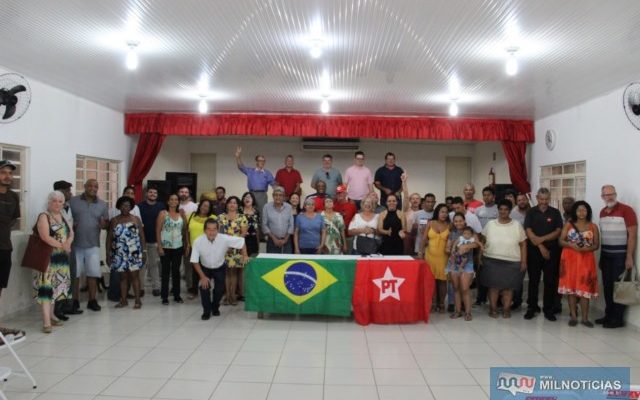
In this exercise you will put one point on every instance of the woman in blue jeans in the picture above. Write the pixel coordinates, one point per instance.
(171, 230)
(309, 233)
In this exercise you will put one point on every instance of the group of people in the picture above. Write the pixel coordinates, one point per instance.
(465, 241)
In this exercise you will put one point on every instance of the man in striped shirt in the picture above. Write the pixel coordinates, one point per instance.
(618, 234)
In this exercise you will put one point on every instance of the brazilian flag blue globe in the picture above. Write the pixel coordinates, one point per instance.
(301, 286)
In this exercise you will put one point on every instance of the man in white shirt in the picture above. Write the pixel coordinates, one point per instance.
(470, 218)
(186, 203)
(519, 212)
(207, 257)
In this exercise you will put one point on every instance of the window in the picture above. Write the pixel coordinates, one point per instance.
(17, 155)
(106, 172)
(564, 180)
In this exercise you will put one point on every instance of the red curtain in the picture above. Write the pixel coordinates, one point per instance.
(367, 127)
(149, 145)
(515, 153)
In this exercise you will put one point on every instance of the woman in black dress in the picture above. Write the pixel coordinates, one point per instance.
(391, 226)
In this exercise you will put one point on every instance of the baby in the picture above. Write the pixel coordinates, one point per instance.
(463, 260)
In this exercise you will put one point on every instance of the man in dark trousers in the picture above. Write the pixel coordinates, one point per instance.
(543, 225)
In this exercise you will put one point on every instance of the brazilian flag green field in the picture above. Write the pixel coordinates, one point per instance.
(286, 286)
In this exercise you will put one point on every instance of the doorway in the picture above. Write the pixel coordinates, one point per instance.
(457, 174)
(204, 165)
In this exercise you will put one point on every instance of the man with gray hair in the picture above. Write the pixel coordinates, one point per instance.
(543, 225)
(470, 204)
(618, 238)
(277, 223)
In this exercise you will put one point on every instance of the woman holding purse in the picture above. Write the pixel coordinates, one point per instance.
(54, 284)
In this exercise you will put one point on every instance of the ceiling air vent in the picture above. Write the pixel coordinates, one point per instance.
(326, 144)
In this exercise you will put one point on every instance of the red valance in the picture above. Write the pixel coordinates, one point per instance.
(366, 127)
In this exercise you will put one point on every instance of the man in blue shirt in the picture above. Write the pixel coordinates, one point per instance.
(258, 178)
(329, 175)
(149, 210)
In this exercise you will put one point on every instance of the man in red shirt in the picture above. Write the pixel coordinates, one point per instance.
(347, 208)
(289, 178)
(470, 203)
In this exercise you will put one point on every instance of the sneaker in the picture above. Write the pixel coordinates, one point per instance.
(205, 316)
(155, 293)
(93, 305)
(602, 321)
(216, 313)
(550, 316)
(529, 314)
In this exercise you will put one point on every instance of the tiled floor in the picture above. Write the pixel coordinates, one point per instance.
(164, 352)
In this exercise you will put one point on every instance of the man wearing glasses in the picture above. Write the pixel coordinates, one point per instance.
(328, 175)
(618, 238)
(258, 178)
(358, 179)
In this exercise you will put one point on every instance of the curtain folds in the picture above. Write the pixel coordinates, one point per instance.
(149, 145)
(515, 153)
(366, 127)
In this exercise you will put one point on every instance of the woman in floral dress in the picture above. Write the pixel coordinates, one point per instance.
(125, 254)
(335, 240)
(55, 283)
(233, 223)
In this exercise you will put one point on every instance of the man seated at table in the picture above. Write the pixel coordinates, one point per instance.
(207, 257)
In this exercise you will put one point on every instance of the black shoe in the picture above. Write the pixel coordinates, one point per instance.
(613, 324)
(93, 305)
(602, 321)
(478, 303)
(550, 316)
(165, 302)
(529, 314)
(58, 311)
(178, 300)
(142, 293)
(557, 310)
(155, 293)
(516, 306)
(240, 298)
(75, 308)
(216, 313)
(205, 316)
(451, 308)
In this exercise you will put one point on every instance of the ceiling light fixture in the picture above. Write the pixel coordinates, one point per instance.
(453, 109)
(324, 106)
(511, 66)
(454, 88)
(203, 106)
(317, 45)
(325, 84)
(132, 55)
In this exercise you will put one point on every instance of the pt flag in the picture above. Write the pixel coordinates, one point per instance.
(392, 291)
(299, 286)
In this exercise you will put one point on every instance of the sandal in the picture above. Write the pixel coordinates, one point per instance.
(506, 314)
(47, 329)
(122, 304)
(455, 315)
(137, 306)
(587, 323)
(468, 317)
(17, 333)
(442, 309)
(493, 314)
(56, 322)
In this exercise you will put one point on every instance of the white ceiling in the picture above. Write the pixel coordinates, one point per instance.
(383, 56)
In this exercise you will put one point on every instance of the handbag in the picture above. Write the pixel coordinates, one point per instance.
(627, 292)
(37, 255)
(366, 245)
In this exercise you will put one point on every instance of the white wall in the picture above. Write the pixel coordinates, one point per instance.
(57, 126)
(424, 162)
(597, 131)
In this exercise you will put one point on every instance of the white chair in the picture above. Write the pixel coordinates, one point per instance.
(5, 372)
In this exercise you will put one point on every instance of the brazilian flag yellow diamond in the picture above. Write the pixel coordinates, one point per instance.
(299, 280)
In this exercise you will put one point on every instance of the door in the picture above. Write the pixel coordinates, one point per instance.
(457, 174)
(204, 164)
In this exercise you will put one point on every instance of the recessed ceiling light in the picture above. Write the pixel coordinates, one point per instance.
(454, 87)
(132, 55)
(453, 109)
(324, 106)
(511, 66)
(203, 106)
(325, 84)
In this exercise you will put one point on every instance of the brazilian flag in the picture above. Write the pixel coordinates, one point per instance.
(302, 286)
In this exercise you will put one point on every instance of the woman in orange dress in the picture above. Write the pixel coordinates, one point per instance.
(435, 238)
(580, 239)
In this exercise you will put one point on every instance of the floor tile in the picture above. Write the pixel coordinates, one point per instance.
(404, 393)
(253, 358)
(200, 372)
(134, 387)
(298, 375)
(283, 391)
(242, 373)
(83, 384)
(186, 390)
(448, 377)
(241, 391)
(144, 369)
(398, 377)
(349, 376)
(458, 392)
(350, 392)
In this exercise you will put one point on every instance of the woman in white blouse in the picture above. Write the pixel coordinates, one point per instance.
(364, 225)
